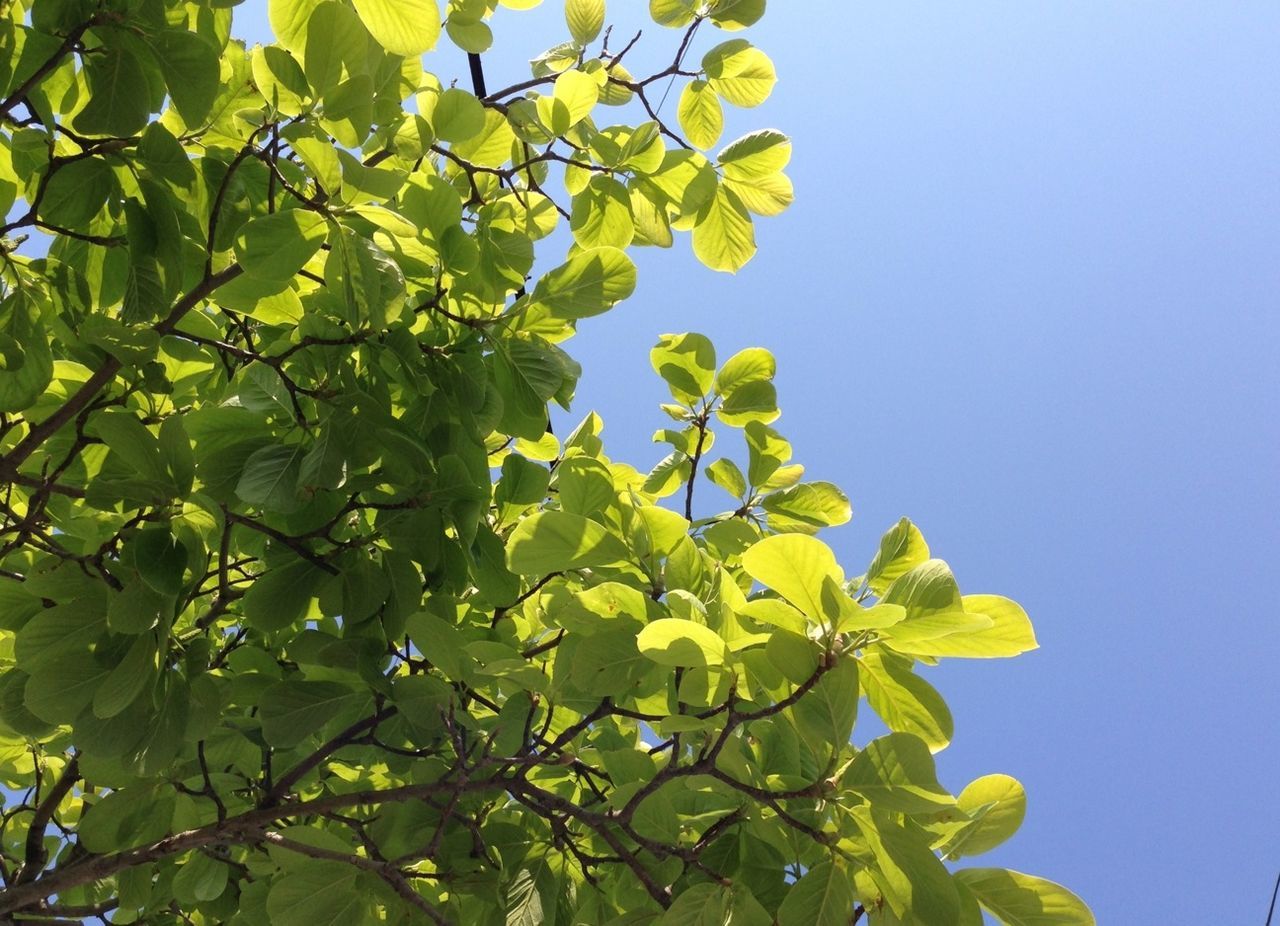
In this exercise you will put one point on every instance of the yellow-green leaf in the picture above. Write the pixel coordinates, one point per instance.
(756, 155)
(794, 566)
(275, 247)
(724, 236)
(601, 214)
(585, 19)
(576, 92)
(741, 73)
(588, 283)
(553, 541)
(402, 27)
(1025, 900)
(700, 113)
(997, 804)
(674, 641)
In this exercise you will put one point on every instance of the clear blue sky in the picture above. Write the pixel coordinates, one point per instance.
(1028, 296)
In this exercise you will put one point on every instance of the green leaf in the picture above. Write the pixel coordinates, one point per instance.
(601, 214)
(555, 541)
(271, 476)
(674, 14)
(916, 886)
(119, 101)
(440, 642)
(827, 712)
(687, 364)
(726, 475)
(794, 566)
(280, 79)
(200, 879)
(161, 559)
(273, 248)
(742, 74)
(755, 364)
(759, 154)
(902, 548)
(163, 154)
(1024, 900)
(607, 664)
(673, 641)
(704, 904)
(792, 653)
(767, 195)
(998, 805)
(128, 679)
(175, 449)
(189, 63)
(822, 897)
(806, 508)
(585, 19)
(317, 894)
(137, 608)
(576, 93)
(293, 710)
(925, 590)
(700, 114)
(134, 443)
(282, 595)
(723, 236)
(60, 690)
(904, 701)
(458, 116)
(124, 818)
(473, 36)
(402, 27)
(896, 772)
(732, 15)
(76, 192)
(751, 402)
(588, 283)
(1009, 634)
(21, 386)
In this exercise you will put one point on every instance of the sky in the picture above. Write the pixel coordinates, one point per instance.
(1027, 296)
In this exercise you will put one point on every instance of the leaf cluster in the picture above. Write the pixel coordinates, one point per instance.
(306, 616)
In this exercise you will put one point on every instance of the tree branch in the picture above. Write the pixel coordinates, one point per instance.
(101, 377)
(34, 854)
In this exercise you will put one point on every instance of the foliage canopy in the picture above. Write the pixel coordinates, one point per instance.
(305, 615)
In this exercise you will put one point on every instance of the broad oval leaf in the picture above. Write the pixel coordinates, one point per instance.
(742, 74)
(275, 247)
(555, 541)
(1016, 899)
(588, 283)
(723, 234)
(402, 27)
(822, 897)
(794, 566)
(700, 113)
(674, 641)
(998, 804)
(896, 772)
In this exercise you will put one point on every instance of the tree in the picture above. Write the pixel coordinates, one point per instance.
(305, 614)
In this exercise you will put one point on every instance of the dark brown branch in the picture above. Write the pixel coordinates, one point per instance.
(293, 543)
(346, 738)
(72, 39)
(693, 466)
(34, 851)
(477, 75)
(101, 377)
(245, 827)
